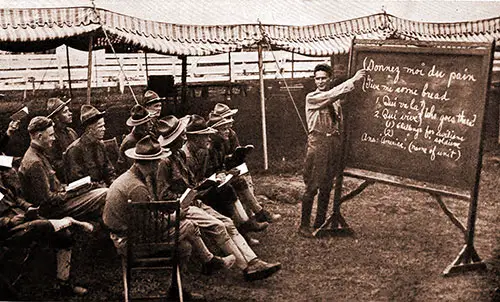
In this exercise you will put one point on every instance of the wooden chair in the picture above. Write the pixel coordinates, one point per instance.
(13, 266)
(152, 242)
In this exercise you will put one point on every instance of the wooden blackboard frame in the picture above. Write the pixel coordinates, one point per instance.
(468, 258)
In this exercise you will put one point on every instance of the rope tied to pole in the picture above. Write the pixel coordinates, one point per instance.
(266, 39)
(108, 40)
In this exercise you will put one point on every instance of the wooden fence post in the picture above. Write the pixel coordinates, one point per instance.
(89, 70)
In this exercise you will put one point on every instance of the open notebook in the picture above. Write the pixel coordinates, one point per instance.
(77, 184)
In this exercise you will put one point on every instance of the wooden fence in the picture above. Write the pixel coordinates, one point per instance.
(49, 71)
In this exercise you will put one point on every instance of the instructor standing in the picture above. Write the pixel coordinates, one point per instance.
(325, 125)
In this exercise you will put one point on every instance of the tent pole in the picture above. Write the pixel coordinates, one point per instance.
(263, 106)
(69, 72)
(230, 71)
(184, 79)
(89, 70)
(147, 71)
(293, 63)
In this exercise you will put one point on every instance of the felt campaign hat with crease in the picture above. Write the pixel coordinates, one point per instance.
(147, 148)
(198, 125)
(223, 110)
(170, 128)
(151, 97)
(138, 116)
(89, 114)
(54, 105)
(217, 121)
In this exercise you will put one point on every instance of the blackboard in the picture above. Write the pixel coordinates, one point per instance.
(418, 113)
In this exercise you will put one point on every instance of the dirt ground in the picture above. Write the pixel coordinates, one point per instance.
(402, 243)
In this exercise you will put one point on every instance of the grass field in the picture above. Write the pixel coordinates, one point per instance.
(402, 243)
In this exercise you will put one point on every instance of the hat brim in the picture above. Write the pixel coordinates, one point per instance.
(93, 119)
(229, 113)
(208, 130)
(132, 123)
(175, 134)
(130, 153)
(59, 108)
(154, 101)
(222, 122)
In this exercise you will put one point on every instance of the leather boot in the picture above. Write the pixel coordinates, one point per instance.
(266, 216)
(252, 225)
(258, 270)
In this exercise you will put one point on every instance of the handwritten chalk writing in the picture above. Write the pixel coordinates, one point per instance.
(408, 127)
(406, 90)
(450, 134)
(386, 100)
(411, 109)
(429, 113)
(461, 119)
(388, 132)
(368, 138)
(414, 71)
(428, 132)
(436, 73)
(414, 148)
(409, 117)
(391, 142)
(457, 119)
(465, 76)
(403, 105)
(368, 83)
(434, 95)
(450, 153)
(414, 105)
(388, 115)
(369, 65)
(387, 88)
(447, 142)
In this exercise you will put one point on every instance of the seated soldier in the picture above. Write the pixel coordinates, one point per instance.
(140, 120)
(223, 199)
(174, 177)
(224, 143)
(137, 184)
(61, 115)
(20, 225)
(153, 104)
(41, 186)
(87, 155)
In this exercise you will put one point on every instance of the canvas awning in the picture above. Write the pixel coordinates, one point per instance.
(44, 28)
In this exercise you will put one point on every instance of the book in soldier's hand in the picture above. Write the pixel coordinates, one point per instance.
(207, 183)
(242, 169)
(20, 114)
(238, 157)
(31, 213)
(187, 198)
(77, 184)
(226, 179)
(6, 161)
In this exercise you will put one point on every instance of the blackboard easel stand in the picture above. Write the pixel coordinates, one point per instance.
(358, 155)
(467, 260)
